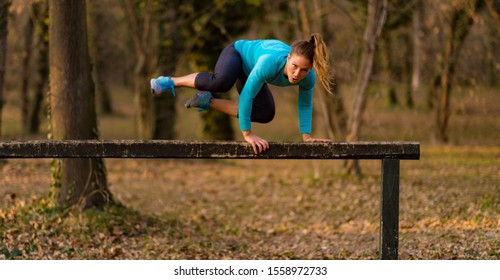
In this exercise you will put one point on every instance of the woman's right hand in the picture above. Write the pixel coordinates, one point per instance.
(258, 144)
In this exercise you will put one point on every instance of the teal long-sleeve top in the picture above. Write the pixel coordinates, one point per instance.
(264, 62)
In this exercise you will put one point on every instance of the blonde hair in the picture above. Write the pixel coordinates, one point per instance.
(315, 50)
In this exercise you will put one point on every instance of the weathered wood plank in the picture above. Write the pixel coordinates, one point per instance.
(205, 149)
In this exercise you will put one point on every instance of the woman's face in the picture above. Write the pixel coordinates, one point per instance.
(296, 68)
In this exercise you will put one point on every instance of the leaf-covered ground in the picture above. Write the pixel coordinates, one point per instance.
(253, 209)
(249, 209)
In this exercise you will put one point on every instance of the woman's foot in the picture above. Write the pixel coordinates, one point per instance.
(201, 101)
(162, 85)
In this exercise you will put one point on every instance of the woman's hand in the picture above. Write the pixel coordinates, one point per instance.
(308, 138)
(258, 144)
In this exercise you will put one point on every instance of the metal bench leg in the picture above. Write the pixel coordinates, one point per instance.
(389, 210)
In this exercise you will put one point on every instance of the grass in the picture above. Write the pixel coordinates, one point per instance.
(255, 209)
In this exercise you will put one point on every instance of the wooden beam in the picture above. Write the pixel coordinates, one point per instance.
(205, 149)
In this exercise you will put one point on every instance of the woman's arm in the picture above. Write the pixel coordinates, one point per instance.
(256, 79)
(305, 103)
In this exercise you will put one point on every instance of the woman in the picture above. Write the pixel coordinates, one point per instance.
(251, 65)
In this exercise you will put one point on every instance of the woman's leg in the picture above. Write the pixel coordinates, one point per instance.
(185, 81)
(227, 69)
(228, 107)
(263, 107)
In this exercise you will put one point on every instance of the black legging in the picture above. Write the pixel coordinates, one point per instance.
(229, 71)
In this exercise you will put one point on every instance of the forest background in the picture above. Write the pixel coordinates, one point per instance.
(404, 70)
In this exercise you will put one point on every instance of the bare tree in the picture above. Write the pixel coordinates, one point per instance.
(416, 77)
(28, 32)
(41, 14)
(377, 10)
(4, 13)
(76, 182)
(170, 45)
(456, 28)
(331, 104)
(95, 24)
(140, 20)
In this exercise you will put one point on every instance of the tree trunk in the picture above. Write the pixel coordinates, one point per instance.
(42, 64)
(407, 70)
(332, 105)
(444, 87)
(141, 29)
(416, 76)
(216, 125)
(492, 42)
(456, 30)
(4, 13)
(304, 19)
(333, 112)
(101, 89)
(28, 28)
(384, 66)
(377, 10)
(169, 48)
(76, 182)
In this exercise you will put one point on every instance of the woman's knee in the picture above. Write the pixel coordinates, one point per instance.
(265, 116)
(222, 82)
(268, 118)
(213, 82)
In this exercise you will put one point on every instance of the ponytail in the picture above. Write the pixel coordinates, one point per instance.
(315, 50)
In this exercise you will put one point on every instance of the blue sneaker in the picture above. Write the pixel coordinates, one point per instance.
(162, 85)
(201, 101)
